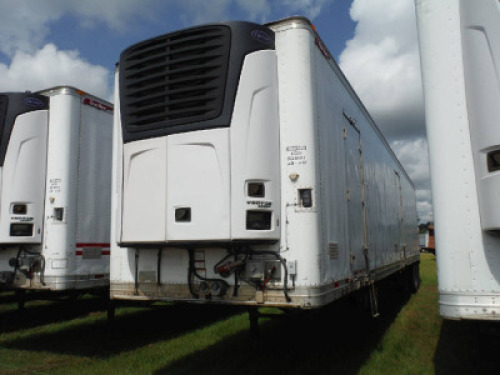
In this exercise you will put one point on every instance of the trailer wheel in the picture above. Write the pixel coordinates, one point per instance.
(413, 277)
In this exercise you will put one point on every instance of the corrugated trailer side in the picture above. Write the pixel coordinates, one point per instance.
(363, 215)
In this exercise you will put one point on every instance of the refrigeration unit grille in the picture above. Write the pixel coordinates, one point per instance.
(174, 79)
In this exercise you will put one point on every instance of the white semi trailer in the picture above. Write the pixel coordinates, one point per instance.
(247, 171)
(55, 190)
(460, 58)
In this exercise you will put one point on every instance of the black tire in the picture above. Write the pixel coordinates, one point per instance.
(413, 277)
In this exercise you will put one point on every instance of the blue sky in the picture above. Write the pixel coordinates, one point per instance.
(102, 45)
(45, 43)
(99, 40)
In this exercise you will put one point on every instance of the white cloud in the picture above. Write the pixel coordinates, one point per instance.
(413, 154)
(308, 8)
(34, 64)
(51, 67)
(382, 64)
(257, 10)
(116, 14)
(194, 12)
(202, 11)
(24, 25)
(424, 210)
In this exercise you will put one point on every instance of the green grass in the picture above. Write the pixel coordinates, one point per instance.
(408, 338)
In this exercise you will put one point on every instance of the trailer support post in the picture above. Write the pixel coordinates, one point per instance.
(373, 300)
(253, 316)
(110, 310)
(136, 273)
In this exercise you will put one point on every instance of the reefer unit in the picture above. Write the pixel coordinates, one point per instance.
(247, 171)
(460, 58)
(55, 189)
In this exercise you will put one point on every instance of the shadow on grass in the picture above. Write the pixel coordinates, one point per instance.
(133, 327)
(467, 347)
(7, 297)
(42, 312)
(338, 338)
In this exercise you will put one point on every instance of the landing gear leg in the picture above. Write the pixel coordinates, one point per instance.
(110, 310)
(21, 300)
(373, 300)
(253, 316)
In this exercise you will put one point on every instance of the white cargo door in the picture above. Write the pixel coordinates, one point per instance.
(23, 180)
(354, 196)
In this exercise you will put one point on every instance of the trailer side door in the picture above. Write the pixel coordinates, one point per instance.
(354, 196)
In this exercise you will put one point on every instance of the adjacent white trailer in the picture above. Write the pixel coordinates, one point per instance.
(55, 190)
(460, 58)
(247, 171)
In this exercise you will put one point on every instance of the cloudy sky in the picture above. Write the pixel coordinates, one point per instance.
(52, 42)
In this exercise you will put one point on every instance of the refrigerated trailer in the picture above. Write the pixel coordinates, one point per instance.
(247, 171)
(460, 59)
(55, 190)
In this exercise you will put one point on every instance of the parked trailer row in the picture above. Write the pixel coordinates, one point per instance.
(245, 171)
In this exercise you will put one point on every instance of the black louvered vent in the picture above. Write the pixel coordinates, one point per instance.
(174, 79)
